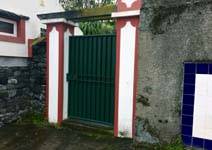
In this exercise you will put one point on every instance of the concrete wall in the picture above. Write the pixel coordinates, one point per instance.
(172, 32)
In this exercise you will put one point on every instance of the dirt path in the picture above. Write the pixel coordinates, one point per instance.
(30, 137)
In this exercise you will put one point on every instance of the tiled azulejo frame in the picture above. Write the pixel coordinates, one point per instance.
(197, 105)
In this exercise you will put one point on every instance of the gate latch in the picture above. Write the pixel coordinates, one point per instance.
(68, 77)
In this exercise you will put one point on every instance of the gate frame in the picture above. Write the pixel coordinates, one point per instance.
(127, 21)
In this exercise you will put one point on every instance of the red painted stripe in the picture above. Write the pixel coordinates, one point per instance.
(60, 28)
(20, 38)
(121, 6)
(118, 36)
(135, 23)
(30, 48)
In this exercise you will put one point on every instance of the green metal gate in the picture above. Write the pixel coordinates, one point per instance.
(91, 78)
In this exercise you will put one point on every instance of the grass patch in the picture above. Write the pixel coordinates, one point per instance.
(36, 119)
(176, 144)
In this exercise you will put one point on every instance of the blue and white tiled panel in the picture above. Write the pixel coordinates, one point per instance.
(197, 105)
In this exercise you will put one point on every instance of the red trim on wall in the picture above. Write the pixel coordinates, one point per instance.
(135, 23)
(49, 28)
(121, 6)
(71, 28)
(118, 36)
(60, 29)
(30, 41)
(20, 38)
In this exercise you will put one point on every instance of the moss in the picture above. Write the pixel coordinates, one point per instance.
(36, 119)
(3, 93)
(105, 10)
(152, 130)
(175, 144)
(147, 127)
(148, 90)
(164, 17)
(38, 40)
(177, 107)
(143, 100)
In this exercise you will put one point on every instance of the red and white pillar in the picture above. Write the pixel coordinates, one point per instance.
(127, 29)
(58, 32)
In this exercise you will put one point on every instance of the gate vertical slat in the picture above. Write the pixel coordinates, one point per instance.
(104, 55)
(84, 72)
(102, 76)
(94, 72)
(93, 77)
(108, 47)
(89, 88)
(113, 76)
(98, 108)
(79, 76)
(73, 82)
(70, 89)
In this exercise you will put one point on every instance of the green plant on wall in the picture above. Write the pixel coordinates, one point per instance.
(97, 27)
(82, 4)
(94, 27)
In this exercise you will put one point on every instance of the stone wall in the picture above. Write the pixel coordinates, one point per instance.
(172, 32)
(22, 86)
(13, 86)
(37, 66)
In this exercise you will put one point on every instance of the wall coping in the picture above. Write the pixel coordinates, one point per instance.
(58, 20)
(126, 13)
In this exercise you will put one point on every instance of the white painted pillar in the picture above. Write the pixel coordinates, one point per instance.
(127, 22)
(53, 75)
(58, 32)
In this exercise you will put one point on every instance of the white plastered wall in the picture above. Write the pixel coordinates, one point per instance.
(28, 8)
